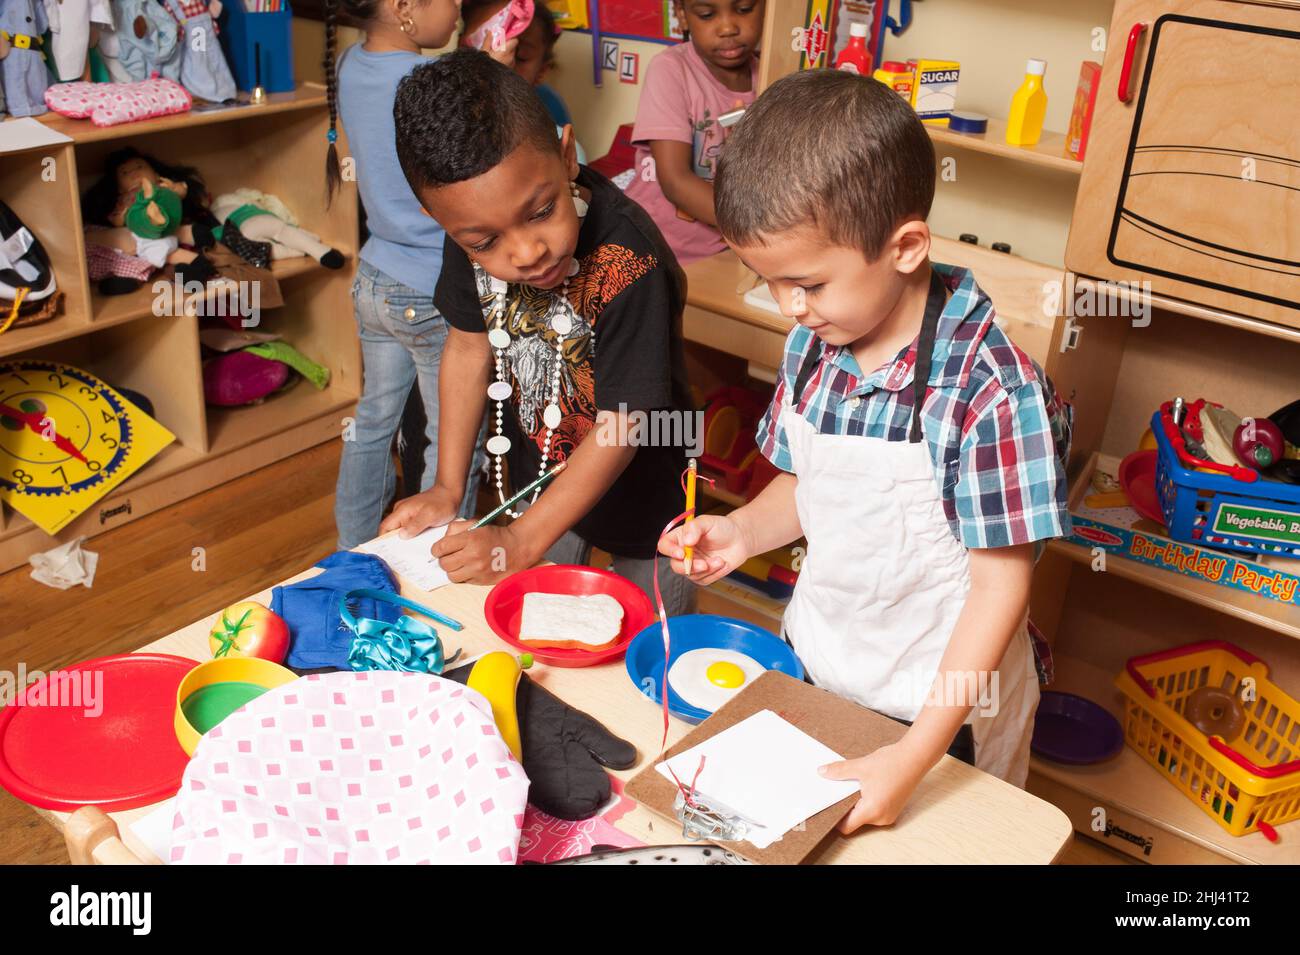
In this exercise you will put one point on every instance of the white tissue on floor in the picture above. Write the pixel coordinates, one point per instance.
(65, 566)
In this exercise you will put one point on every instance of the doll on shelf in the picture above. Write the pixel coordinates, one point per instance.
(204, 70)
(152, 210)
(22, 22)
(264, 219)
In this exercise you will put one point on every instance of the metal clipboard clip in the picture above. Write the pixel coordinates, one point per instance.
(704, 822)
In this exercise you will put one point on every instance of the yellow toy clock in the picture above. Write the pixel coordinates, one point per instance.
(66, 440)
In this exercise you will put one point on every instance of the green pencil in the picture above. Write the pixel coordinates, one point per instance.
(497, 512)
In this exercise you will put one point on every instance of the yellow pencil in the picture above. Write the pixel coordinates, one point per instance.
(690, 505)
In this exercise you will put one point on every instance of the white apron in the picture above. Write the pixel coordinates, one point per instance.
(883, 584)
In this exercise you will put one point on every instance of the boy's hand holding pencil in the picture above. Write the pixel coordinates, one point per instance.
(718, 546)
(482, 555)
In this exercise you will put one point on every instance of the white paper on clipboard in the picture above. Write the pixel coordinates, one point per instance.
(765, 770)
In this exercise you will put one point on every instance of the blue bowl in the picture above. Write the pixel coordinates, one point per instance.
(1074, 730)
(645, 654)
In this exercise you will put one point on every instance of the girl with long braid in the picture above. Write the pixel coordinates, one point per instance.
(401, 332)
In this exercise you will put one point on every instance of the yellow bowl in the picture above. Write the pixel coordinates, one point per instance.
(238, 671)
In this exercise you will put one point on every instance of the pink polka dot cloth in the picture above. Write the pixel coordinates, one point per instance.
(108, 104)
(353, 768)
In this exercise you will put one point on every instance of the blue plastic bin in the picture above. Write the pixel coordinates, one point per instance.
(247, 37)
(1217, 510)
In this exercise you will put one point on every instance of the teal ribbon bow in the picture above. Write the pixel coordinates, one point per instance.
(409, 645)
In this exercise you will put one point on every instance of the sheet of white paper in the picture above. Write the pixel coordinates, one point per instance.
(155, 829)
(764, 769)
(410, 559)
(28, 133)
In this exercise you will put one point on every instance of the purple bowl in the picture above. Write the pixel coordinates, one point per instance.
(1074, 730)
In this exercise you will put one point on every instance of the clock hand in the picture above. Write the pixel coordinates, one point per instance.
(36, 422)
(67, 447)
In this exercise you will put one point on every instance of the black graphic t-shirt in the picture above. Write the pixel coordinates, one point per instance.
(624, 354)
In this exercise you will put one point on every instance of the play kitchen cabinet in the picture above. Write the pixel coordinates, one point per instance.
(1098, 610)
(1192, 178)
(1191, 184)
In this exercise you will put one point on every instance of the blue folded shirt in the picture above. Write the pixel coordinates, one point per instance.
(318, 635)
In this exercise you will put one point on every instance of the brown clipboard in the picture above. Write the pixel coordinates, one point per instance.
(849, 729)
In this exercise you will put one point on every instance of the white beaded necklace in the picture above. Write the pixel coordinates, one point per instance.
(563, 321)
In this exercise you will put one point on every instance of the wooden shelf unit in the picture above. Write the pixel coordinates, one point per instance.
(1275, 615)
(1107, 618)
(1048, 153)
(1102, 618)
(1218, 341)
(278, 149)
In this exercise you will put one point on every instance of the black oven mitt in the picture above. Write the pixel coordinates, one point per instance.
(564, 751)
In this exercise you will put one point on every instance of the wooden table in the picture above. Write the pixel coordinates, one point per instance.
(958, 815)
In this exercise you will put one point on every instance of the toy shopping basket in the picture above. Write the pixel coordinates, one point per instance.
(1248, 785)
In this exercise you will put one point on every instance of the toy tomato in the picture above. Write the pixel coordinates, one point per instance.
(249, 630)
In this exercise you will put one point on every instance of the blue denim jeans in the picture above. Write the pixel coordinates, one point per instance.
(402, 335)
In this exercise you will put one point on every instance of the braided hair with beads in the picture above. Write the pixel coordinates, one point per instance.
(359, 10)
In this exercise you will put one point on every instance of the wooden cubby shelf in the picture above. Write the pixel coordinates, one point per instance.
(1128, 786)
(1272, 615)
(277, 148)
(115, 309)
(1048, 153)
(1275, 615)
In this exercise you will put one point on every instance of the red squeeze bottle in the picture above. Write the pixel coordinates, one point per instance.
(855, 57)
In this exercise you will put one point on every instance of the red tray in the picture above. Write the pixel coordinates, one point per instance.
(68, 756)
(505, 605)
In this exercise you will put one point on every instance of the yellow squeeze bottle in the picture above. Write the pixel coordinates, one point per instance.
(1028, 105)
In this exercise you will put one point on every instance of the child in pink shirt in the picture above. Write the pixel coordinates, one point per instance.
(677, 134)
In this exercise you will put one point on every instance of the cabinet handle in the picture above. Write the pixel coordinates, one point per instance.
(1126, 71)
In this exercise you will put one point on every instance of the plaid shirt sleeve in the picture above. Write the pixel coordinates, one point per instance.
(771, 435)
(1011, 487)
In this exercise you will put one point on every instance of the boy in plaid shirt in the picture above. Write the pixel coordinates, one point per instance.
(922, 451)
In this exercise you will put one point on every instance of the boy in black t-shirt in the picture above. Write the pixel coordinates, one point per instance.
(565, 309)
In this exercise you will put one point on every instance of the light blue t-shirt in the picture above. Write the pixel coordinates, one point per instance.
(404, 242)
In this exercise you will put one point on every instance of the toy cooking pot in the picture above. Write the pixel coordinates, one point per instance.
(213, 690)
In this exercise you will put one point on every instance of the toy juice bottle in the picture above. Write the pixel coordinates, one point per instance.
(855, 58)
(1025, 124)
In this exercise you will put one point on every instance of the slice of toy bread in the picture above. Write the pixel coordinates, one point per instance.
(591, 622)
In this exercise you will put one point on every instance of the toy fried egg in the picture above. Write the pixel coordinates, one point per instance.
(708, 677)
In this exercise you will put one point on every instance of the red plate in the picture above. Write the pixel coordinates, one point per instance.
(505, 605)
(123, 756)
(1137, 476)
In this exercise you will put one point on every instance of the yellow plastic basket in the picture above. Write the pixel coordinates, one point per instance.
(1252, 784)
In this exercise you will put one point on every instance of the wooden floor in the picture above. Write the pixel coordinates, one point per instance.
(255, 531)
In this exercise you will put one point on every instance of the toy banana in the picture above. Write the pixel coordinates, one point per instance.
(496, 676)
